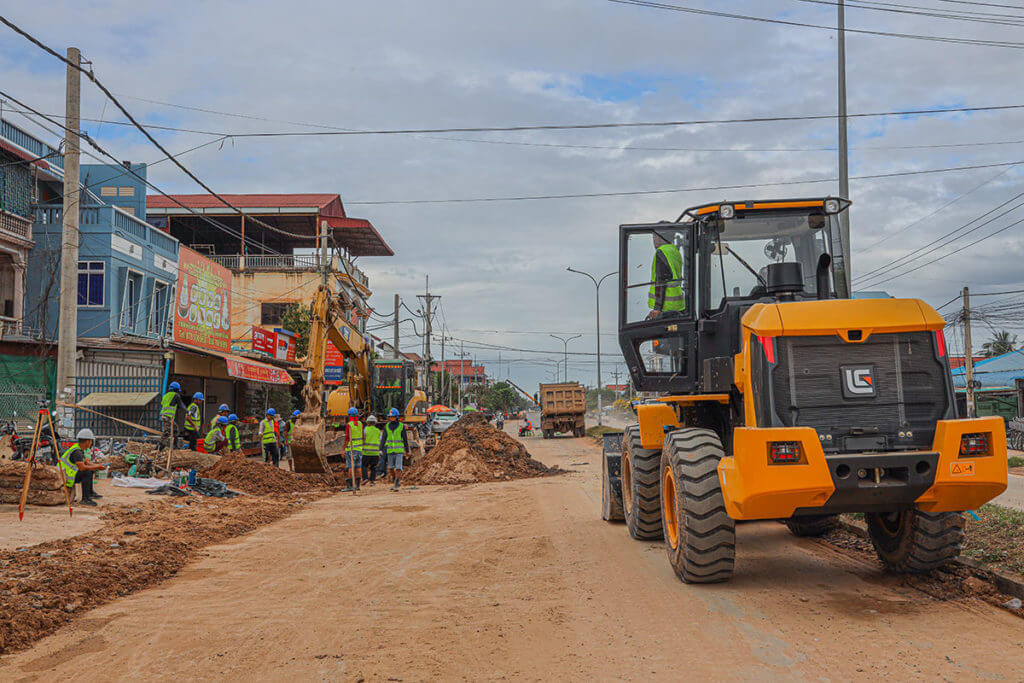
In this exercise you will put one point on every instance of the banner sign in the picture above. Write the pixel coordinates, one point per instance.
(334, 374)
(264, 341)
(257, 372)
(285, 348)
(202, 311)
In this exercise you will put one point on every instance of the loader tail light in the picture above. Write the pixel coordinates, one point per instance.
(768, 344)
(940, 343)
(974, 445)
(785, 452)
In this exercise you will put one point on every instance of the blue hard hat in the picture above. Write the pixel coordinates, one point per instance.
(174, 386)
(393, 412)
(271, 412)
(353, 412)
(221, 420)
(296, 413)
(232, 418)
(224, 407)
(198, 396)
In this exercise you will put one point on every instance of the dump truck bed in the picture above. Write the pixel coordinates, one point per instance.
(562, 407)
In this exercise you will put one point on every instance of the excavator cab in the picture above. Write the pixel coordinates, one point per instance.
(780, 397)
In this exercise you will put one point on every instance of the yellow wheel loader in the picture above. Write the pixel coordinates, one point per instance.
(372, 386)
(782, 398)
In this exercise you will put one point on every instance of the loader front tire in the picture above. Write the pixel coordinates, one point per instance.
(700, 537)
(914, 541)
(812, 525)
(641, 492)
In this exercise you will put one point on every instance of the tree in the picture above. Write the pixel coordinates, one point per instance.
(1000, 343)
(501, 396)
(607, 397)
(296, 319)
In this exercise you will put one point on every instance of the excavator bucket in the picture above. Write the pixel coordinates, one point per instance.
(308, 445)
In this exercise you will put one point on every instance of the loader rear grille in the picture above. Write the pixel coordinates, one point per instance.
(910, 389)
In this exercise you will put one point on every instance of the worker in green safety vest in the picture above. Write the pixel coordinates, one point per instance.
(78, 468)
(666, 291)
(269, 437)
(353, 449)
(232, 433)
(194, 420)
(216, 441)
(371, 450)
(223, 411)
(289, 428)
(396, 445)
(169, 404)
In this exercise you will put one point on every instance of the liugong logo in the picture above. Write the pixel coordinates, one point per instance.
(858, 381)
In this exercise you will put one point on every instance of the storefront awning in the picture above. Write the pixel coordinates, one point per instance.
(254, 371)
(118, 399)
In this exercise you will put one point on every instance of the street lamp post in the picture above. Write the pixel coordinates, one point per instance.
(597, 290)
(565, 348)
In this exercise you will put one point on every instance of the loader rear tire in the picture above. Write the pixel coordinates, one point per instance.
(812, 525)
(914, 541)
(641, 488)
(700, 537)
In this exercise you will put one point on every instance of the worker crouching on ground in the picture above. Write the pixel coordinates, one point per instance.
(216, 441)
(268, 437)
(371, 450)
(78, 468)
(223, 411)
(232, 433)
(194, 420)
(353, 450)
(169, 404)
(396, 445)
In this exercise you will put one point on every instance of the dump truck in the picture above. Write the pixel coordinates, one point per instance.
(779, 397)
(371, 385)
(562, 407)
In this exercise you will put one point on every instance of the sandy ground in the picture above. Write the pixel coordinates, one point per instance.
(1013, 497)
(518, 580)
(42, 524)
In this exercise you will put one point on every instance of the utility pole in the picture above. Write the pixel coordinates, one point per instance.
(428, 312)
(462, 371)
(968, 354)
(616, 373)
(325, 270)
(444, 394)
(844, 170)
(67, 331)
(395, 343)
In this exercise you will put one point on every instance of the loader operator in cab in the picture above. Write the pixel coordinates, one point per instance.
(666, 293)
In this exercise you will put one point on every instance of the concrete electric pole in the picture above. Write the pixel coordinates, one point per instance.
(844, 170)
(67, 330)
(395, 342)
(968, 354)
(428, 313)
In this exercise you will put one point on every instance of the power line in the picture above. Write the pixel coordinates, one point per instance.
(631, 193)
(1001, 20)
(887, 34)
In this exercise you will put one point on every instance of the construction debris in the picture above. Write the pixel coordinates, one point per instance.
(45, 488)
(260, 478)
(472, 451)
(190, 460)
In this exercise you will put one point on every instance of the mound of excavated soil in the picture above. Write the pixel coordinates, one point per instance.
(259, 478)
(472, 451)
(45, 488)
(192, 460)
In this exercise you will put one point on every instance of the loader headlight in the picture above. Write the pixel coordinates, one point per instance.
(831, 206)
(727, 211)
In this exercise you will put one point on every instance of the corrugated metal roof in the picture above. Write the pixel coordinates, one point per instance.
(998, 371)
(208, 201)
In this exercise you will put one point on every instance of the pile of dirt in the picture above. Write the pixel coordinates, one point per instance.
(472, 451)
(42, 587)
(187, 459)
(254, 477)
(45, 488)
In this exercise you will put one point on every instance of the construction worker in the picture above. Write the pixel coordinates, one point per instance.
(169, 404)
(232, 433)
(666, 291)
(396, 445)
(269, 437)
(216, 442)
(288, 429)
(78, 468)
(371, 449)
(353, 449)
(194, 420)
(223, 411)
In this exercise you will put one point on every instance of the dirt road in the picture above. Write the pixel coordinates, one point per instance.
(518, 580)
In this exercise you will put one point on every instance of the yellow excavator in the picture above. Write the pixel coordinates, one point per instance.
(371, 386)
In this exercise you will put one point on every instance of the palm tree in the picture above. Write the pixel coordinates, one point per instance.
(1000, 343)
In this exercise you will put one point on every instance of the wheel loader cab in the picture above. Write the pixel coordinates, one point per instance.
(783, 398)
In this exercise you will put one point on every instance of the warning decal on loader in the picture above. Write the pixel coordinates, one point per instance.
(961, 468)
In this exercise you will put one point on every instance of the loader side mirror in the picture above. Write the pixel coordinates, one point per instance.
(821, 276)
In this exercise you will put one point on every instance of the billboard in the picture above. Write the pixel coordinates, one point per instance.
(264, 341)
(202, 310)
(279, 344)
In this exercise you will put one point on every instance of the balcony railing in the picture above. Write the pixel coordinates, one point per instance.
(27, 142)
(13, 224)
(289, 263)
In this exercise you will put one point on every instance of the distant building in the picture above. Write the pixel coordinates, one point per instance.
(462, 371)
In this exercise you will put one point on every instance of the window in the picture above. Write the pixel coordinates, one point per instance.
(130, 300)
(158, 308)
(126, 191)
(273, 313)
(91, 281)
(653, 258)
(108, 191)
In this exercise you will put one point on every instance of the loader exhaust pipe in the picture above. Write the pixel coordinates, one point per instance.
(821, 276)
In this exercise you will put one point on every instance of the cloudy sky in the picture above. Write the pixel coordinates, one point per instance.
(500, 266)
